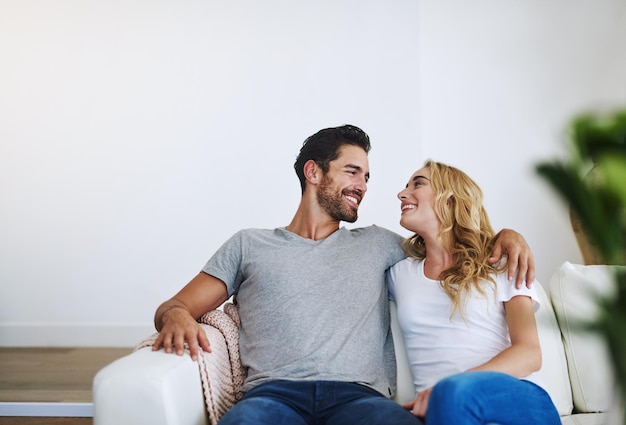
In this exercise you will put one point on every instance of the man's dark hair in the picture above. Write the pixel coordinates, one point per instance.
(323, 147)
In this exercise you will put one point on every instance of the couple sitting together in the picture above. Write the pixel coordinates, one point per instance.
(313, 300)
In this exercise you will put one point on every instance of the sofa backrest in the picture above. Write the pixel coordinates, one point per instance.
(553, 373)
(404, 379)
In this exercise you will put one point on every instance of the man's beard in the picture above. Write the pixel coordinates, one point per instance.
(333, 203)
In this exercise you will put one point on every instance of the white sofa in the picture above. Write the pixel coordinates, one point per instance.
(157, 388)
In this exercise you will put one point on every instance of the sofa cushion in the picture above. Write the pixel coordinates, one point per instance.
(586, 419)
(574, 289)
(553, 374)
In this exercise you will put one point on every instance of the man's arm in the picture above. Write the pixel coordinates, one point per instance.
(519, 256)
(176, 319)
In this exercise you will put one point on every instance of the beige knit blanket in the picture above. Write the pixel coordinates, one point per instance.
(221, 372)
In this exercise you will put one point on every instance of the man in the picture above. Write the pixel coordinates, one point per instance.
(313, 305)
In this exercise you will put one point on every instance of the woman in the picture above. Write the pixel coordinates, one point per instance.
(470, 334)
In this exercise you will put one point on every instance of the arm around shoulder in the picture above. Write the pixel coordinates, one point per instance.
(519, 256)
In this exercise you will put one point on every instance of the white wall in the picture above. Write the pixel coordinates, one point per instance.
(138, 135)
(135, 137)
(499, 82)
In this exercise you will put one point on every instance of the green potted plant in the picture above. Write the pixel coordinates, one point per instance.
(592, 182)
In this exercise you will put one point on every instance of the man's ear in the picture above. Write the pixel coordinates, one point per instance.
(312, 172)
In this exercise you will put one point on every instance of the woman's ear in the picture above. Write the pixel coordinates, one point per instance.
(312, 172)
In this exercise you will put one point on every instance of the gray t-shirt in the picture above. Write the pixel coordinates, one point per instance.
(312, 310)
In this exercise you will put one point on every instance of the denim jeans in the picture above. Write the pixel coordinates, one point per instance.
(316, 403)
(489, 398)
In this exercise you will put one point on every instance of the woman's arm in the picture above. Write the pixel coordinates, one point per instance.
(521, 359)
(524, 355)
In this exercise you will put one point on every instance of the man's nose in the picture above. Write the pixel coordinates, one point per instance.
(362, 185)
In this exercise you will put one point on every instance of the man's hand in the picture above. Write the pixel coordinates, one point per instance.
(519, 256)
(175, 319)
(177, 327)
(419, 406)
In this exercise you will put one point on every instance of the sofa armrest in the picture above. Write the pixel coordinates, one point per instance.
(159, 388)
(574, 289)
(149, 387)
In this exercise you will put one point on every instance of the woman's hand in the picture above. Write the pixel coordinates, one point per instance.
(419, 406)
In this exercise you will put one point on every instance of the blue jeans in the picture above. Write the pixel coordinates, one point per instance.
(316, 403)
(489, 398)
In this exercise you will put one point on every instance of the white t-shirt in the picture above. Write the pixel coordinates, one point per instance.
(439, 345)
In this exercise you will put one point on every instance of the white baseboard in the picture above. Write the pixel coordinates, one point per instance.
(94, 334)
(73, 410)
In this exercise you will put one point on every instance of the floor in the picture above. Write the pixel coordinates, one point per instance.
(36, 379)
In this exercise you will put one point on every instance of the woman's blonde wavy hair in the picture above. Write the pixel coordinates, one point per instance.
(459, 206)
